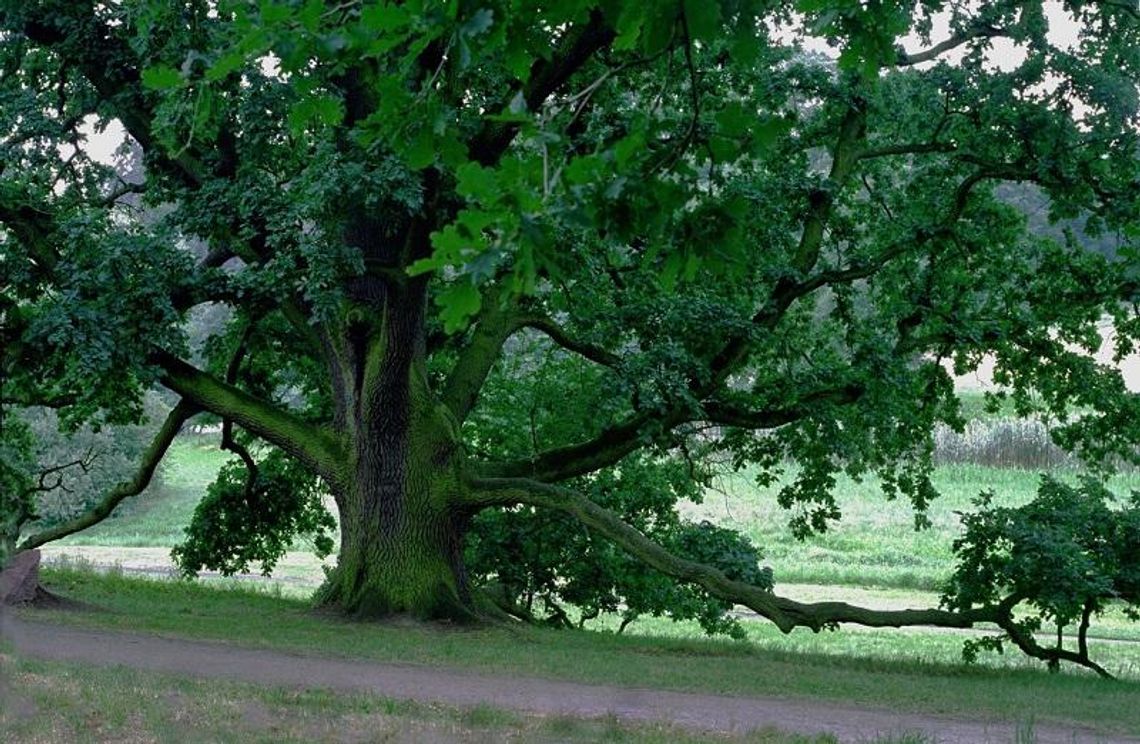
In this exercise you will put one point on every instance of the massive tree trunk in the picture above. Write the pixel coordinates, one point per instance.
(400, 553)
(402, 521)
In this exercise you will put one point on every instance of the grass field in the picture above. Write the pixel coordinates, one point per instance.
(905, 679)
(875, 544)
(158, 516)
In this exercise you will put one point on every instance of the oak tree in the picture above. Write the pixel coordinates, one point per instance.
(498, 269)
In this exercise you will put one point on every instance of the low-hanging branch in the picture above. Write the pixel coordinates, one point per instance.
(787, 614)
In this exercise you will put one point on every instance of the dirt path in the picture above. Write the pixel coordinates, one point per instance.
(464, 689)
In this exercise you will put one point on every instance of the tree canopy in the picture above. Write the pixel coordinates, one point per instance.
(510, 279)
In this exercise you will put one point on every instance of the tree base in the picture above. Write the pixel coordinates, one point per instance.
(434, 601)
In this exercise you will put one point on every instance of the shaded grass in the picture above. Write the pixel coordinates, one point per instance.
(56, 702)
(860, 671)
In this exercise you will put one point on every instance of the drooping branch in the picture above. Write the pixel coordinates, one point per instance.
(1025, 641)
(313, 445)
(229, 443)
(787, 614)
(151, 458)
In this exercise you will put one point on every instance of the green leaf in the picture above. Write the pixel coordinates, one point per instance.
(384, 17)
(477, 183)
(457, 304)
(629, 147)
(421, 152)
(519, 61)
(273, 14)
(703, 18)
(735, 119)
(629, 24)
(325, 110)
(224, 65)
(161, 77)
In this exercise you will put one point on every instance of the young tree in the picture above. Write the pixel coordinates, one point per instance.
(492, 259)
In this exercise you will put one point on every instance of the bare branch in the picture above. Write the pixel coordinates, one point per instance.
(43, 486)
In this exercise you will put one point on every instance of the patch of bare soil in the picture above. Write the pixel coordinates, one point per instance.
(467, 690)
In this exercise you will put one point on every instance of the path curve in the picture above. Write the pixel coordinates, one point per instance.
(465, 689)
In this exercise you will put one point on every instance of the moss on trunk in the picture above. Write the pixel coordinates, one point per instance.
(409, 565)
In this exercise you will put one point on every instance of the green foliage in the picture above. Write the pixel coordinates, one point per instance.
(543, 564)
(249, 517)
(1068, 553)
(17, 465)
(50, 475)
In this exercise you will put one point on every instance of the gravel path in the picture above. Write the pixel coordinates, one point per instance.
(465, 689)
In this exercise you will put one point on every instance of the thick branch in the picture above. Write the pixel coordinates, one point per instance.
(912, 148)
(605, 449)
(785, 613)
(728, 415)
(578, 45)
(150, 460)
(558, 335)
(844, 158)
(955, 41)
(494, 326)
(308, 442)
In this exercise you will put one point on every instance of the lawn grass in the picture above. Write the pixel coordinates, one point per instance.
(860, 668)
(57, 702)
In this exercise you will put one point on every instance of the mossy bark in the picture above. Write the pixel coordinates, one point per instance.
(409, 563)
(402, 527)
